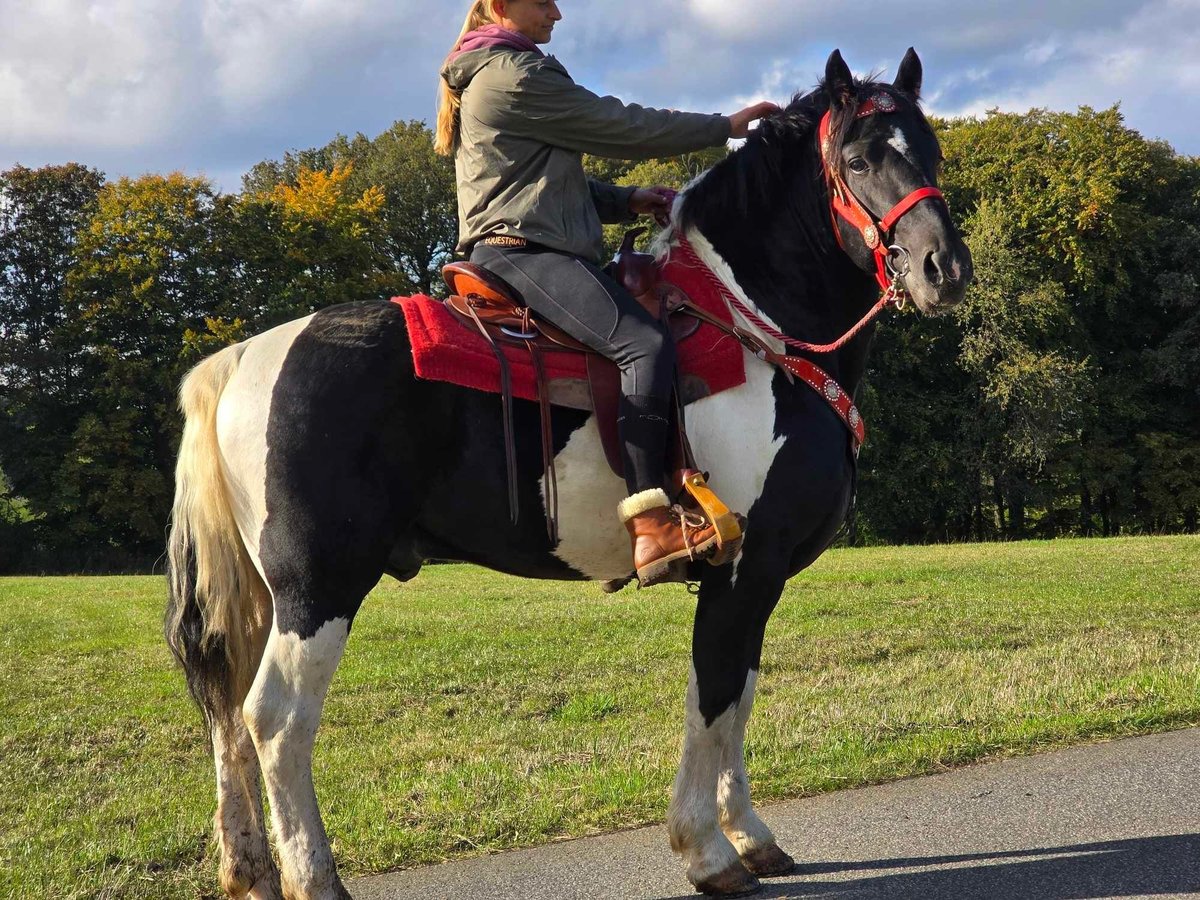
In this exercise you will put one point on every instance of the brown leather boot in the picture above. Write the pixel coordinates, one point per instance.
(664, 537)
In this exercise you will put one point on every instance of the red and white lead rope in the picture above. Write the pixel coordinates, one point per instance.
(689, 255)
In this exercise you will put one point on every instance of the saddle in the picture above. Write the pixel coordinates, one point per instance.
(482, 300)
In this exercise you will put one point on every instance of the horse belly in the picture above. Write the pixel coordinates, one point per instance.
(733, 436)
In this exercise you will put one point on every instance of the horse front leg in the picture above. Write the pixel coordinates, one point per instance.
(711, 822)
(750, 836)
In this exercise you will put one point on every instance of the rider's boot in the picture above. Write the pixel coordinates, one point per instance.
(665, 538)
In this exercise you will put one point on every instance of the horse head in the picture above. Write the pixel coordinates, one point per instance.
(882, 158)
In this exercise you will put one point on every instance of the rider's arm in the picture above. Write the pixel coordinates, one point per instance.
(612, 202)
(548, 106)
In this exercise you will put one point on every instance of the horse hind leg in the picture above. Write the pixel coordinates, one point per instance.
(750, 836)
(282, 712)
(247, 869)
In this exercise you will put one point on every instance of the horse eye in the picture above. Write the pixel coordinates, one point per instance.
(858, 166)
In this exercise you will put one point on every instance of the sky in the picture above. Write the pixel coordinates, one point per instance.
(213, 86)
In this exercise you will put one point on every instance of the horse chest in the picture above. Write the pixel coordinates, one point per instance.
(733, 435)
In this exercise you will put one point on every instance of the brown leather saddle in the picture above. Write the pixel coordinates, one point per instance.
(485, 302)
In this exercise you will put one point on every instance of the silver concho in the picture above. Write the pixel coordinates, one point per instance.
(832, 391)
(854, 417)
(884, 103)
(871, 236)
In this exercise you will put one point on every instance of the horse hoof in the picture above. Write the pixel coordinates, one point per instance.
(768, 862)
(734, 881)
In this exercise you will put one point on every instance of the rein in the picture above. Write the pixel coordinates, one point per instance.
(875, 234)
(843, 203)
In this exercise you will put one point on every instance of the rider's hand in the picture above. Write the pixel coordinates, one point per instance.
(653, 201)
(739, 122)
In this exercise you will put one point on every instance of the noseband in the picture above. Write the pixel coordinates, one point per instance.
(842, 202)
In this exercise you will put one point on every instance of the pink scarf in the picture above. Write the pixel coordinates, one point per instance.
(494, 36)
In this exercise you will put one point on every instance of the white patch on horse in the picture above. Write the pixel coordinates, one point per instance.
(711, 258)
(899, 142)
(693, 821)
(592, 539)
(733, 435)
(741, 824)
(282, 712)
(242, 419)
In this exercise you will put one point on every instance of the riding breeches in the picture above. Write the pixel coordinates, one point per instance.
(583, 301)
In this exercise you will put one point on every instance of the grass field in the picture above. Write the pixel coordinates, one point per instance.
(474, 711)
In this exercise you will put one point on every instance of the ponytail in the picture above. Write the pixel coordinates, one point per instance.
(449, 100)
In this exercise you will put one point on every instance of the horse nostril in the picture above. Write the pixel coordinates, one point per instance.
(933, 272)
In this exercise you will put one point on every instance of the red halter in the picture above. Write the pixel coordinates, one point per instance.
(842, 202)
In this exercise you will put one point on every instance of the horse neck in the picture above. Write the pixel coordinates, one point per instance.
(809, 290)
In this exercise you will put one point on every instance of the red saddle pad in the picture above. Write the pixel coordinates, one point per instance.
(445, 350)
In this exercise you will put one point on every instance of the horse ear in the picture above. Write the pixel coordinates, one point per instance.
(839, 82)
(908, 76)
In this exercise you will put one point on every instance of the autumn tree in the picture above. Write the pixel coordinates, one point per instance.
(418, 224)
(145, 274)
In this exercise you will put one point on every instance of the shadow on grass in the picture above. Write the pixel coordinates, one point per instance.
(1128, 868)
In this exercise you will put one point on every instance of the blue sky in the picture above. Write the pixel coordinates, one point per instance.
(213, 86)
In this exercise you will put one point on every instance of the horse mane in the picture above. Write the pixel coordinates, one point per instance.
(750, 183)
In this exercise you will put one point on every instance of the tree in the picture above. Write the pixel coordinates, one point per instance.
(418, 215)
(145, 274)
(41, 213)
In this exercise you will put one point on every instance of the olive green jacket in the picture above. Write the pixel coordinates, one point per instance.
(524, 126)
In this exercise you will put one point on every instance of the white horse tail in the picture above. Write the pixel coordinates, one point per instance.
(219, 605)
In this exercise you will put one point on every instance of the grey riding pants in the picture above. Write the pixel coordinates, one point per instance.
(583, 301)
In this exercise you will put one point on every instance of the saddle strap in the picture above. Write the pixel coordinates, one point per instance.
(549, 470)
(506, 405)
(604, 381)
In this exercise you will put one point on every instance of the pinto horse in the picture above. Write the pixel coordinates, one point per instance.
(313, 462)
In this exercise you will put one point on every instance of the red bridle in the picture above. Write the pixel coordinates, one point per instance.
(842, 202)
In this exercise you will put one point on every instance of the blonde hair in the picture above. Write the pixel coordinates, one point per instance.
(449, 100)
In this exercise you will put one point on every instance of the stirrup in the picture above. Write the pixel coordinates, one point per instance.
(727, 523)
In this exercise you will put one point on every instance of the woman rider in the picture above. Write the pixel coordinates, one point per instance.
(517, 126)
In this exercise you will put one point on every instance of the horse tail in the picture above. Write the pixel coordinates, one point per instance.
(218, 604)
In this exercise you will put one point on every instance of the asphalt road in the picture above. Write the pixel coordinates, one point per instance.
(1120, 819)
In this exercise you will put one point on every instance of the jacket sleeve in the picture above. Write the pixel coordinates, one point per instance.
(611, 202)
(548, 106)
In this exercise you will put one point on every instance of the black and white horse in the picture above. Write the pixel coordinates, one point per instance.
(313, 462)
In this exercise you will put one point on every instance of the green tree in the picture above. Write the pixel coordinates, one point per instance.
(41, 213)
(145, 274)
(1074, 363)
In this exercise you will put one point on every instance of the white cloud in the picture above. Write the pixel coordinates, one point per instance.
(108, 72)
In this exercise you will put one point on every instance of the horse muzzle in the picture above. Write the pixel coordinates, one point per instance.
(940, 277)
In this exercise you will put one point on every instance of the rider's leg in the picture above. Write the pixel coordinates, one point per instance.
(583, 301)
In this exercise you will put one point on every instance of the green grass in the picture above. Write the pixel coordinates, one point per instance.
(474, 711)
